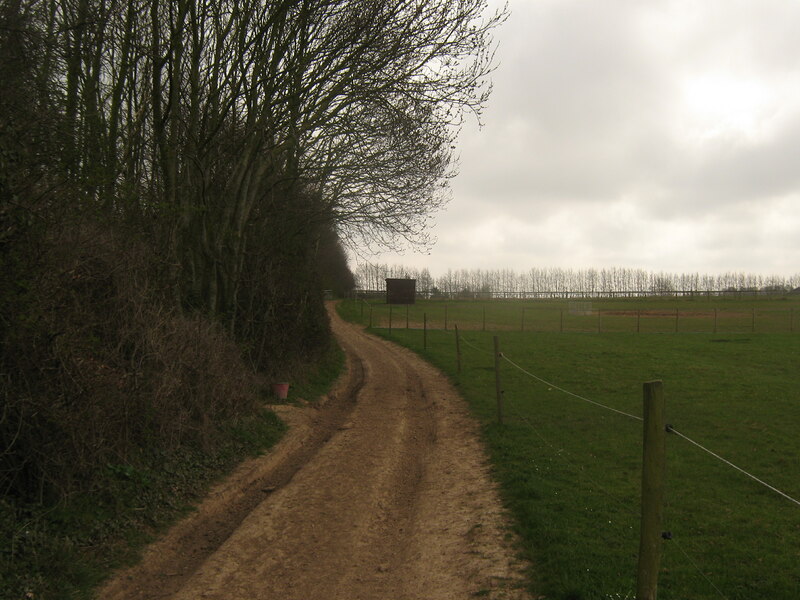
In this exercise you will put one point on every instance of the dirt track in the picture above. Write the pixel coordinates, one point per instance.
(381, 493)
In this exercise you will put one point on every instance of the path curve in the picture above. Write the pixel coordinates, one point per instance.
(381, 493)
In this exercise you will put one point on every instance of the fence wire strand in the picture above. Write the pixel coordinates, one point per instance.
(561, 453)
(467, 342)
(566, 455)
(560, 389)
(671, 429)
(697, 568)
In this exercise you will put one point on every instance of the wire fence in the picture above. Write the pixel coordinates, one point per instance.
(588, 317)
(465, 295)
(669, 428)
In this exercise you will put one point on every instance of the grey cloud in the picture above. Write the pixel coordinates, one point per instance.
(584, 117)
(747, 173)
(722, 176)
(580, 71)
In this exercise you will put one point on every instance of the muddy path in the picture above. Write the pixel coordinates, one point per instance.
(382, 492)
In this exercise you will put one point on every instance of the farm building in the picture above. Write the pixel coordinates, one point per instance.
(401, 291)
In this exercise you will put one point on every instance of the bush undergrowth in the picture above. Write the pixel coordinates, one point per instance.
(119, 407)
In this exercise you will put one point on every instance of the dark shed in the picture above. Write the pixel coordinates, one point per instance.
(401, 291)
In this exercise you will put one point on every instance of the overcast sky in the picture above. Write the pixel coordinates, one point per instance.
(655, 134)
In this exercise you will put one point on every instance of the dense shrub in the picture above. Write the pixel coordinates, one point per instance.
(97, 367)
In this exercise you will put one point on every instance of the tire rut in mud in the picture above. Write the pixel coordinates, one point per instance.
(384, 492)
(171, 562)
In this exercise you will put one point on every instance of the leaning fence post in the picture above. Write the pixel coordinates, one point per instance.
(458, 350)
(497, 387)
(653, 469)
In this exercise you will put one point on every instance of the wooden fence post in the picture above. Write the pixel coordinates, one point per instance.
(522, 322)
(424, 331)
(458, 351)
(370, 316)
(561, 323)
(497, 387)
(390, 319)
(484, 317)
(638, 320)
(362, 309)
(653, 469)
(676, 320)
(753, 323)
(445, 317)
(406, 316)
(715, 320)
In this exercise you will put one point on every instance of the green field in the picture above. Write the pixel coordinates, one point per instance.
(570, 471)
(700, 314)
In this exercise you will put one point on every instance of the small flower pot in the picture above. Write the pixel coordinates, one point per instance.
(280, 390)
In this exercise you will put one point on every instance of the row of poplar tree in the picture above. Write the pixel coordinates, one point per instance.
(565, 281)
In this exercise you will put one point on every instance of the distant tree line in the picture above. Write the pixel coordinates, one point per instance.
(558, 281)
